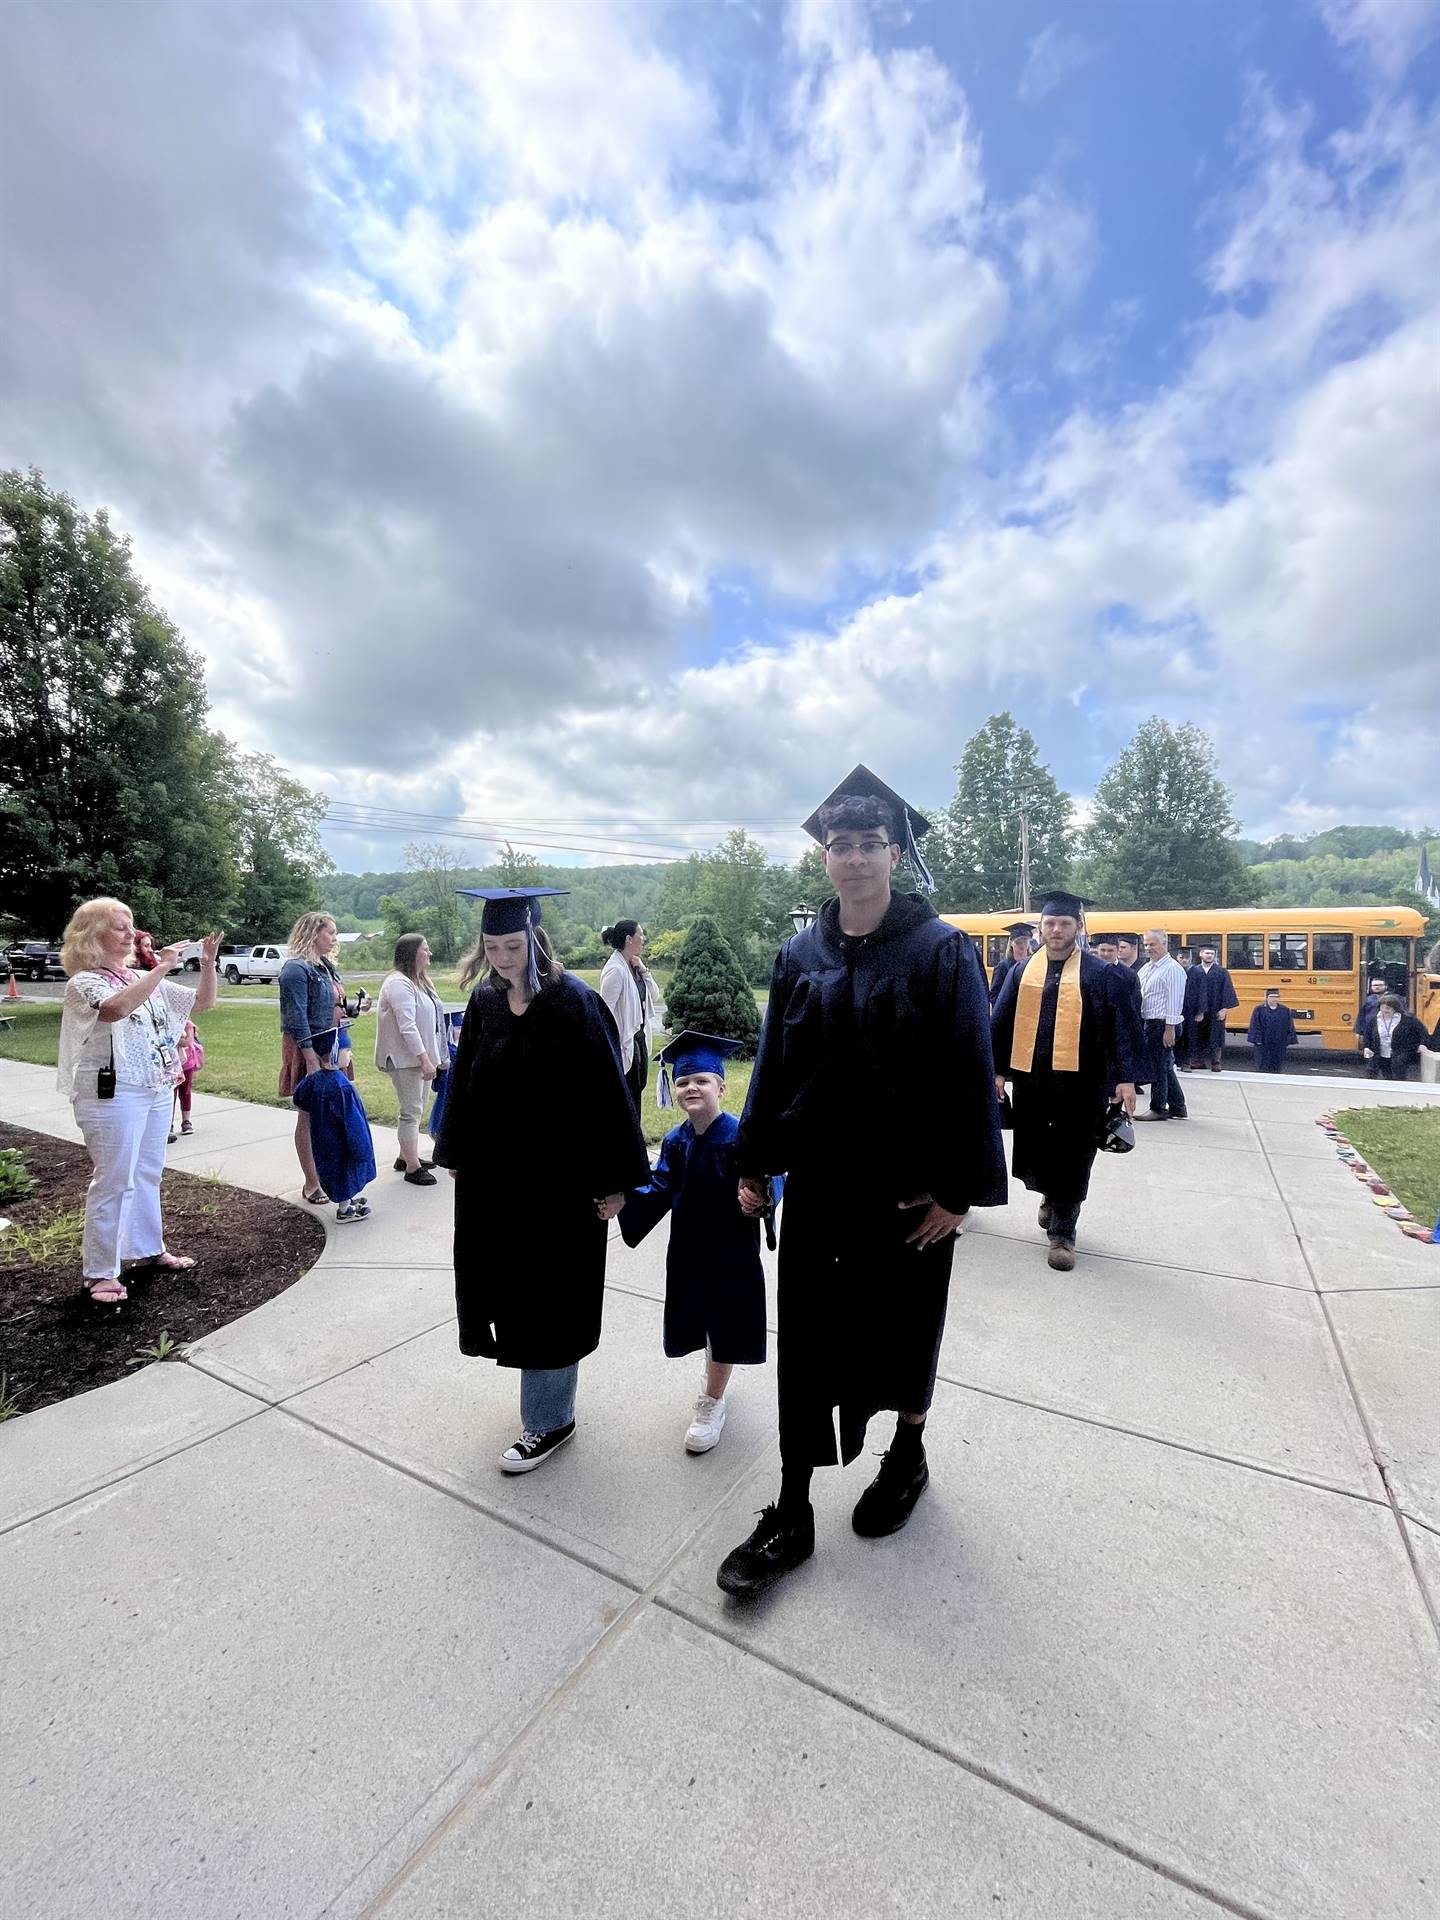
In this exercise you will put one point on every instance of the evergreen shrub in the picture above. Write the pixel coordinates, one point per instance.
(708, 991)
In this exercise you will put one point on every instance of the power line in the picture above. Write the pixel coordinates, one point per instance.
(638, 856)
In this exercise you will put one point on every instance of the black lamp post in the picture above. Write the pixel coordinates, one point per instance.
(802, 917)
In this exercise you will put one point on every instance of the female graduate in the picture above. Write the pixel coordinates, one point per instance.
(541, 1139)
(714, 1283)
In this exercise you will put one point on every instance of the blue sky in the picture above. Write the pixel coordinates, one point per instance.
(635, 413)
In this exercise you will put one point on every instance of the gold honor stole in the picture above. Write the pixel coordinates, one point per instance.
(1066, 1055)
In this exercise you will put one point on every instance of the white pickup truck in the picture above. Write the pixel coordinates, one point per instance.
(242, 965)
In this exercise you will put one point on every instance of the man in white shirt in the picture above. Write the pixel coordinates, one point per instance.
(1162, 1008)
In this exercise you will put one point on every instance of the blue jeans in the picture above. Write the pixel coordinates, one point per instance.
(547, 1397)
(1165, 1092)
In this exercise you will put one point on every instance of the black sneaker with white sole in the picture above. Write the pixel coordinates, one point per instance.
(532, 1450)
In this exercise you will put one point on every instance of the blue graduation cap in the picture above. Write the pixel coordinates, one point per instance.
(692, 1052)
(510, 909)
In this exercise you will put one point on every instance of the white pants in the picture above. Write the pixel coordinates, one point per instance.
(410, 1085)
(125, 1138)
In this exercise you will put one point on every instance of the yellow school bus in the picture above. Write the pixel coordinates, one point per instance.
(1321, 958)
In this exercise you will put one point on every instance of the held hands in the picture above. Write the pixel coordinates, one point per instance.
(1125, 1094)
(610, 1205)
(936, 1223)
(754, 1198)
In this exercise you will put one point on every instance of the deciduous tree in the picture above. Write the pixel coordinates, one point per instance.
(1163, 826)
(974, 845)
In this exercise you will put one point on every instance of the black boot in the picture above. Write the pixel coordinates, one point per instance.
(777, 1546)
(889, 1500)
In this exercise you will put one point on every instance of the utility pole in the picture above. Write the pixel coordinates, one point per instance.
(1022, 890)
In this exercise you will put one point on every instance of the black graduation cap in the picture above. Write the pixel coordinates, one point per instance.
(910, 826)
(510, 909)
(1131, 939)
(1019, 928)
(1059, 902)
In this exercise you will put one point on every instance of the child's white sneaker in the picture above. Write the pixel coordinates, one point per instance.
(705, 1428)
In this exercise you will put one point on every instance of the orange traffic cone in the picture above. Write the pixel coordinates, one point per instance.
(12, 992)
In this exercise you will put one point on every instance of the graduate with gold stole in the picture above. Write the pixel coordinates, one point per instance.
(1068, 1039)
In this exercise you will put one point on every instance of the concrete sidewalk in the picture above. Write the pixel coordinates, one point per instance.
(278, 1639)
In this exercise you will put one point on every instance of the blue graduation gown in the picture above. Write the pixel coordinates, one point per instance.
(1272, 1031)
(339, 1132)
(714, 1282)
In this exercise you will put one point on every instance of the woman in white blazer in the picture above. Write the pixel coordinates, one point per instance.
(412, 1044)
(628, 988)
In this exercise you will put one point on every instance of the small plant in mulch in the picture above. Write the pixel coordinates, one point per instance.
(164, 1349)
(16, 1180)
(56, 1341)
(48, 1241)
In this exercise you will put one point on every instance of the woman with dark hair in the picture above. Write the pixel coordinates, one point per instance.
(1391, 1040)
(628, 988)
(411, 1046)
(542, 1141)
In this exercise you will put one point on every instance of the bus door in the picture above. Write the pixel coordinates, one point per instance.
(1391, 960)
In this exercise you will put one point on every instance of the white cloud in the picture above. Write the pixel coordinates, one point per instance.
(1055, 54)
(1388, 33)
(507, 349)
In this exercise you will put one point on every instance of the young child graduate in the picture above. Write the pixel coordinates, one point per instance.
(714, 1283)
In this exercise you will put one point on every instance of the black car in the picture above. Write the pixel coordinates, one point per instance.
(35, 960)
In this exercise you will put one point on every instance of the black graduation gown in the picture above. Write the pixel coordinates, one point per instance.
(1058, 1116)
(714, 1282)
(873, 1084)
(529, 1245)
(999, 975)
(1272, 1031)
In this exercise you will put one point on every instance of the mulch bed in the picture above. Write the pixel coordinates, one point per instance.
(54, 1340)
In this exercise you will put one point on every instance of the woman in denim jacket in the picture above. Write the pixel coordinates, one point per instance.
(312, 1017)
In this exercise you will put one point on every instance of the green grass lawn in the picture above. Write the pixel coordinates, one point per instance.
(1402, 1144)
(242, 1059)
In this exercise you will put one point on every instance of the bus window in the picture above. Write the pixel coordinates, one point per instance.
(997, 945)
(1245, 952)
(1289, 952)
(1390, 960)
(1334, 952)
(1197, 943)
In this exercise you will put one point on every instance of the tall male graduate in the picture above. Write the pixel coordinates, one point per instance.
(1209, 995)
(874, 1092)
(1067, 1036)
(1015, 955)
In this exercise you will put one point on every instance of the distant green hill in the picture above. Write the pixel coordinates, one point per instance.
(1343, 867)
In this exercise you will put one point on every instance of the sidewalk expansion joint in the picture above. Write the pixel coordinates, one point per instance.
(138, 1467)
(1165, 1440)
(981, 1231)
(892, 1723)
(1406, 1543)
(525, 1737)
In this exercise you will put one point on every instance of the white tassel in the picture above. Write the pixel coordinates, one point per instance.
(663, 1095)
